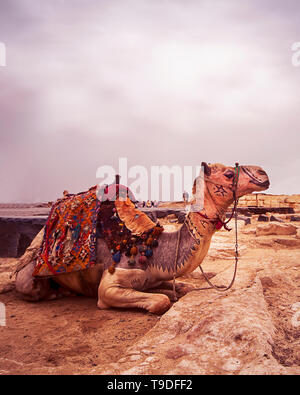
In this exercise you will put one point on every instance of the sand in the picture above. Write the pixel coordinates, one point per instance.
(71, 336)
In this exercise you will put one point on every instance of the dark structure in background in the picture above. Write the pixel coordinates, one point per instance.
(16, 233)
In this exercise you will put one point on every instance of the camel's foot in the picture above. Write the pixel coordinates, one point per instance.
(166, 288)
(58, 294)
(160, 305)
(101, 305)
(182, 289)
(168, 292)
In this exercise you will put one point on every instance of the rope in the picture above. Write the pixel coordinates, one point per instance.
(175, 263)
(187, 222)
(223, 288)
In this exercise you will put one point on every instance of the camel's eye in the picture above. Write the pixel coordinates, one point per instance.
(229, 174)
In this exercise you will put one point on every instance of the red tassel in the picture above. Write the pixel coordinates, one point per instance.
(219, 224)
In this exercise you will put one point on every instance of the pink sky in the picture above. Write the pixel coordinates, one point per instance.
(161, 82)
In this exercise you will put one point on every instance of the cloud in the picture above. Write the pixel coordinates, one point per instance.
(160, 82)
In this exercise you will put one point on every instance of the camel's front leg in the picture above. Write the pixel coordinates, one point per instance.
(181, 289)
(121, 289)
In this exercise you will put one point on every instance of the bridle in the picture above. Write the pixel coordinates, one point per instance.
(218, 222)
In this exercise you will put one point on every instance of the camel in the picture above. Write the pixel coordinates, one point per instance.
(179, 252)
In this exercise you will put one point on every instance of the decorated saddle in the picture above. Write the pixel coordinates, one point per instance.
(127, 231)
(69, 242)
(76, 221)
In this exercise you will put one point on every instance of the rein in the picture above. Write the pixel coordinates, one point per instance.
(223, 288)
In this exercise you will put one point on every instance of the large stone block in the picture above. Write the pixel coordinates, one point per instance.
(275, 229)
(263, 218)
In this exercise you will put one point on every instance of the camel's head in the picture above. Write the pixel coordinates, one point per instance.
(219, 181)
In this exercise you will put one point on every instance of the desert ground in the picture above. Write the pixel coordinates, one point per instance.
(253, 328)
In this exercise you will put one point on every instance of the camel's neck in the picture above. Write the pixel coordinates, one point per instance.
(201, 226)
(213, 206)
(182, 251)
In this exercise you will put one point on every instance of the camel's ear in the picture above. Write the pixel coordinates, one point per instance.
(207, 170)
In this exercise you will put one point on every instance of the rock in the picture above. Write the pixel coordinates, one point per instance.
(170, 227)
(263, 218)
(288, 242)
(295, 320)
(151, 215)
(295, 306)
(135, 357)
(161, 213)
(275, 229)
(246, 220)
(232, 364)
(181, 217)
(219, 249)
(266, 282)
(261, 200)
(249, 231)
(265, 243)
(211, 333)
(147, 352)
(277, 219)
(295, 218)
(175, 353)
(240, 225)
(172, 216)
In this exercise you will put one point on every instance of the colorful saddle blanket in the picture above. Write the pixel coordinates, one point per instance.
(69, 242)
(76, 221)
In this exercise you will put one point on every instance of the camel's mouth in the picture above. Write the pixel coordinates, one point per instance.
(262, 182)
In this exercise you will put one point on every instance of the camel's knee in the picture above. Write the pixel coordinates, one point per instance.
(114, 296)
(117, 291)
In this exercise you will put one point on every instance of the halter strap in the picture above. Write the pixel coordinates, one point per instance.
(218, 221)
